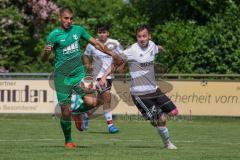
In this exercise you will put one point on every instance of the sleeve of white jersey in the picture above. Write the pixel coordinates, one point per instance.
(88, 50)
(127, 54)
(155, 49)
(119, 48)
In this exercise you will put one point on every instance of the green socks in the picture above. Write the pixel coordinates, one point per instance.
(66, 127)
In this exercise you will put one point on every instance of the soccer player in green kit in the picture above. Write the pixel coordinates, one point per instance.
(69, 70)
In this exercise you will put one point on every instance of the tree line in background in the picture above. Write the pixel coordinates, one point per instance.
(200, 36)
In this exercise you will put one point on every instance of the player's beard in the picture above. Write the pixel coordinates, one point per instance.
(66, 26)
(143, 44)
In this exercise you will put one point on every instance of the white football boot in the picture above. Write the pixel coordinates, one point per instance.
(170, 145)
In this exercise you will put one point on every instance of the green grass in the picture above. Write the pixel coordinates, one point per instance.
(38, 137)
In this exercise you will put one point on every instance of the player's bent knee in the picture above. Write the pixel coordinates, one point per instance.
(66, 116)
(161, 121)
(174, 112)
(66, 113)
(90, 100)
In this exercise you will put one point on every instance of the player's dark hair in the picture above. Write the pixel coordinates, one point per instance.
(142, 27)
(102, 27)
(64, 9)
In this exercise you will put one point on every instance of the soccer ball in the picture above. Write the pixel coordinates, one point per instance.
(88, 84)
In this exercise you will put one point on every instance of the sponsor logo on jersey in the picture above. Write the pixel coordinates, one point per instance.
(146, 64)
(75, 37)
(71, 48)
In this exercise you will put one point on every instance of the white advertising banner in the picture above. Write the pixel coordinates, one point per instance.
(26, 96)
(191, 97)
(207, 98)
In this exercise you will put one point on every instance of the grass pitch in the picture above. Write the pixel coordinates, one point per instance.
(39, 137)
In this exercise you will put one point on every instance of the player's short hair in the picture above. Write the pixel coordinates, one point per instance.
(65, 9)
(102, 27)
(142, 27)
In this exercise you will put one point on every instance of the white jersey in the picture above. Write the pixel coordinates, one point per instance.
(141, 68)
(102, 61)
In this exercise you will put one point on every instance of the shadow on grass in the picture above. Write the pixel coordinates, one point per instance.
(62, 146)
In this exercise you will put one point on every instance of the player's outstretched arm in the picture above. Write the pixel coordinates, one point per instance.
(161, 49)
(120, 68)
(117, 60)
(97, 44)
(113, 68)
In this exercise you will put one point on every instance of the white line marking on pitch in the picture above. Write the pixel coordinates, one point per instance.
(207, 141)
(127, 140)
(130, 140)
(28, 140)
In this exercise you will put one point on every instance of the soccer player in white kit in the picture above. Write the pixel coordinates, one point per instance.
(101, 62)
(149, 99)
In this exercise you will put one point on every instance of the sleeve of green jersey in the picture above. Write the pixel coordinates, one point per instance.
(51, 39)
(85, 34)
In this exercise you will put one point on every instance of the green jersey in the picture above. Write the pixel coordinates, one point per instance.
(66, 43)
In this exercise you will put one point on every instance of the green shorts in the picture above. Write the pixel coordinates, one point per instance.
(78, 106)
(66, 83)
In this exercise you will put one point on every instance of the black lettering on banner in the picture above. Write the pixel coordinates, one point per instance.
(24, 95)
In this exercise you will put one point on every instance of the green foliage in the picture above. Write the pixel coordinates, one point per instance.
(213, 48)
(13, 37)
(222, 38)
(20, 37)
(121, 17)
(180, 40)
(161, 11)
(200, 36)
